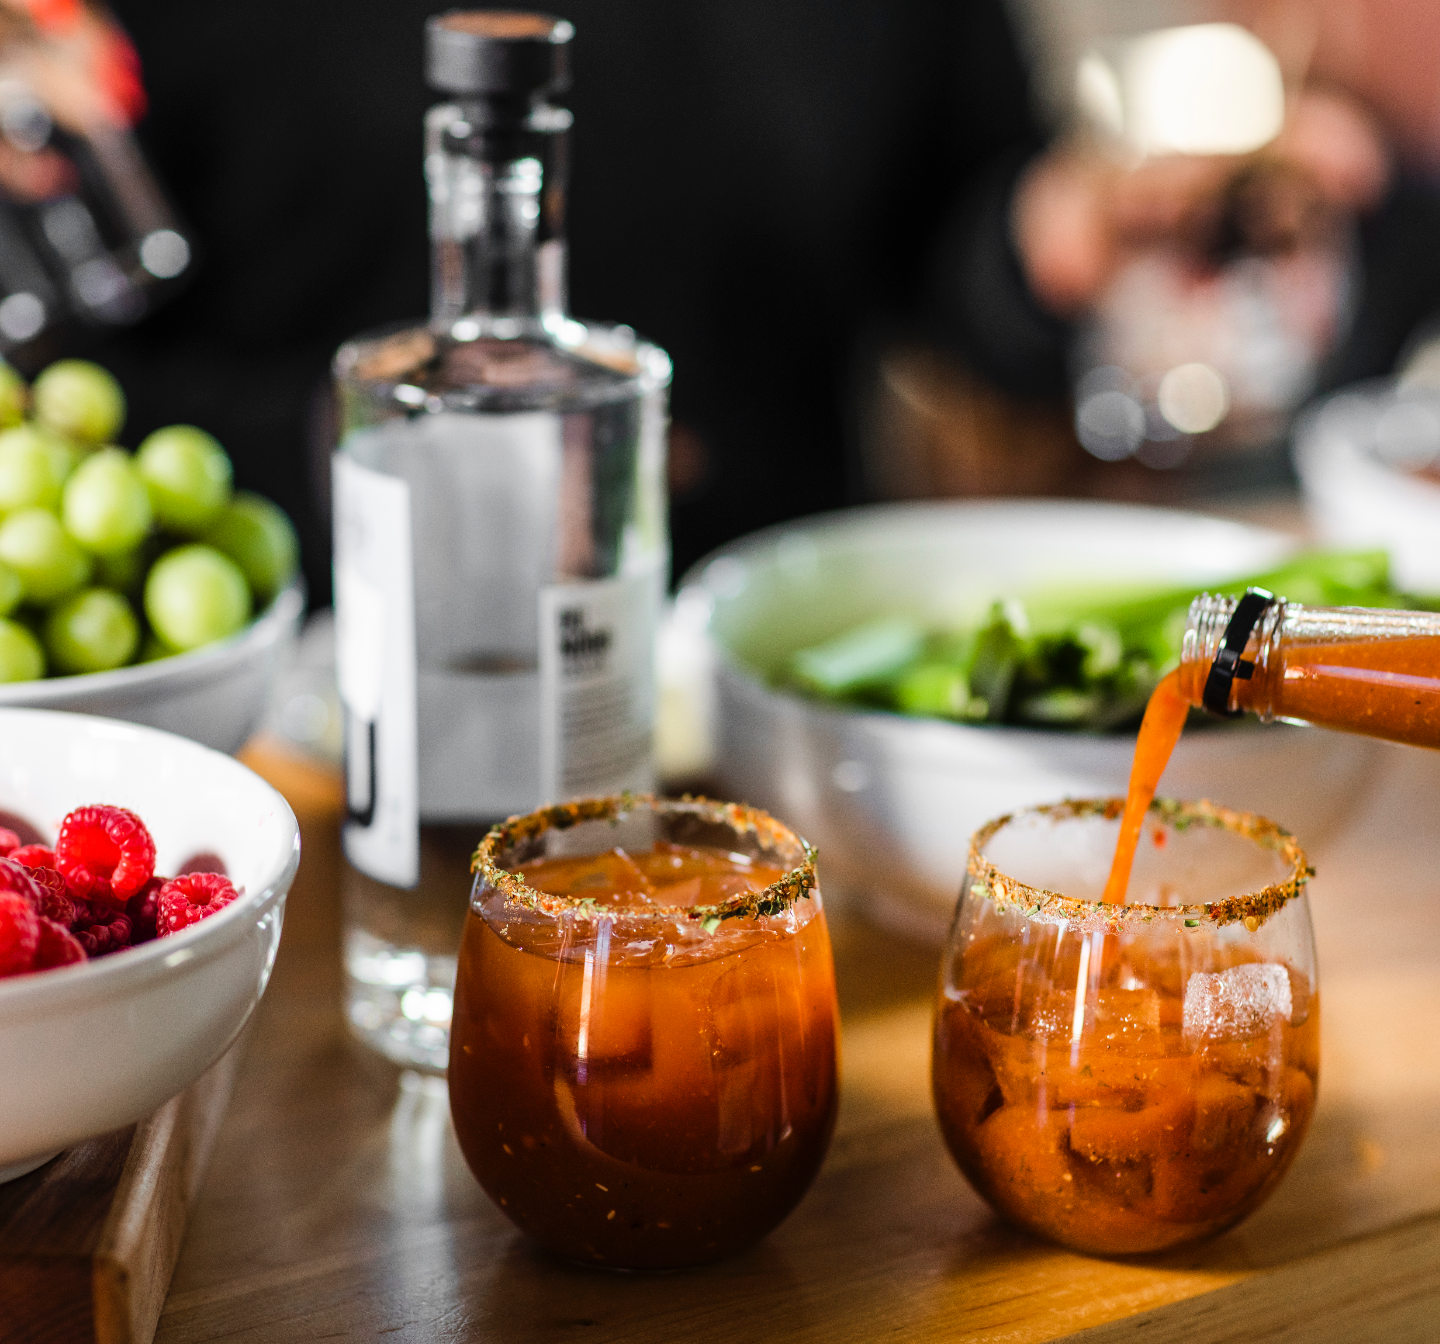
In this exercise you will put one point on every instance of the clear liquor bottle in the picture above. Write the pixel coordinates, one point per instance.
(501, 546)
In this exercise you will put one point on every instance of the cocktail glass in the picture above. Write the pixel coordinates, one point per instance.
(644, 1085)
(1126, 1078)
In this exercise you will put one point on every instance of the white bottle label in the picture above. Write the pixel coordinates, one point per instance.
(597, 685)
(375, 669)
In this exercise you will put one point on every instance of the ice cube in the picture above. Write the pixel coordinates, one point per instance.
(601, 1031)
(1236, 1004)
(1224, 1113)
(755, 1010)
(1129, 1012)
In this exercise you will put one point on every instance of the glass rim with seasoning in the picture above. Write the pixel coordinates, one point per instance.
(1291, 872)
(513, 840)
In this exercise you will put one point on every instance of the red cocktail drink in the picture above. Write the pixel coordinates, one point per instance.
(643, 1068)
(1128, 1077)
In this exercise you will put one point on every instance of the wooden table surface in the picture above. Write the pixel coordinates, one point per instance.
(337, 1205)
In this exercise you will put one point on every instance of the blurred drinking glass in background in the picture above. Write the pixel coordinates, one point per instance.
(86, 235)
(1200, 224)
(1205, 341)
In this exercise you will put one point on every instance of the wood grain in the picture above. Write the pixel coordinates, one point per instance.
(338, 1205)
(50, 1224)
(1383, 1287)
(138, 1245)
(88, 1242)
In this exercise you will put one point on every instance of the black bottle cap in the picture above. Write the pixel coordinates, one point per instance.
(497, 53)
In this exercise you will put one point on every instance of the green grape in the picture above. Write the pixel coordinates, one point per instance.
(13, 395)
(258, 537)
(11, 589)
(188, 477)
(81, 399)
(194, 596)
(27, 478)
(64, 454)
(92, 631)
(105, 505)
(61, 455)
(48, 561)
(21, 657)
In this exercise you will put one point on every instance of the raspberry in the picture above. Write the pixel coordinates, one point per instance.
(34, 856)
(44, 888)
(19, 879)
(9, 841)
(101, 929)
(104, 853)
(51, 899)
(144, 906)
(19, 934)
(57, 946)
(189, 898)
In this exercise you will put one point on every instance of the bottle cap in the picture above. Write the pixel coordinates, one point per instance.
(497, 53)
(1228, 664)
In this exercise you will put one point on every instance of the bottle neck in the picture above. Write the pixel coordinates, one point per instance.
(496, 175)
(1204, 636)
(1366, 670)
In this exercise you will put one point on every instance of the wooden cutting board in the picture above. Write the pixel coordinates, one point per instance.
(88, 1242)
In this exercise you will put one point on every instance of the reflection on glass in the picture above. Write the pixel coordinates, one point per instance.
(86, 234)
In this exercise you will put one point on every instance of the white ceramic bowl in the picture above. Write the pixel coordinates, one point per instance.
(214, 695)
(1355, 454)
(86, 1049)
(892, 801)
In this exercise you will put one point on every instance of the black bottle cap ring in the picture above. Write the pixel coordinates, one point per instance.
(1228, 663)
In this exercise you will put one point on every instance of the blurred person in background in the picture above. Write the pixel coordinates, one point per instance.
(1361, 139)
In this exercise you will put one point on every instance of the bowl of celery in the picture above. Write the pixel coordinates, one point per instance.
(889, 678)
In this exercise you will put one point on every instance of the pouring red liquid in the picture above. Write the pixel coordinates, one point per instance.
(1359, 670)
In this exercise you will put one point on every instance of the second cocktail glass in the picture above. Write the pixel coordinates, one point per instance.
(1126, 1078)
(643, 1067)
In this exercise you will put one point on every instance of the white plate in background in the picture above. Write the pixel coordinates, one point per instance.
(1357, 454)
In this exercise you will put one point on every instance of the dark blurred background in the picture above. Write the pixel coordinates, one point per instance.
(759, 187)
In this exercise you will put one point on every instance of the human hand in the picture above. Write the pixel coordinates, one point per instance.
(1078, 213)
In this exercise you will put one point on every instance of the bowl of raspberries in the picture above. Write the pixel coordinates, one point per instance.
(142, 887)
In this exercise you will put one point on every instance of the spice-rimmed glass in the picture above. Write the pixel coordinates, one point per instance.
(1126, 1078)
(641, 1081)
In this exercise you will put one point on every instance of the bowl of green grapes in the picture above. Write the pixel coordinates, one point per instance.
(141, 584)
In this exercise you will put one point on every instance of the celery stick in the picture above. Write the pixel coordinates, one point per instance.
(1096, 654)
(1062, 707)
(861, 657)
(937, 690)
(998, 652)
